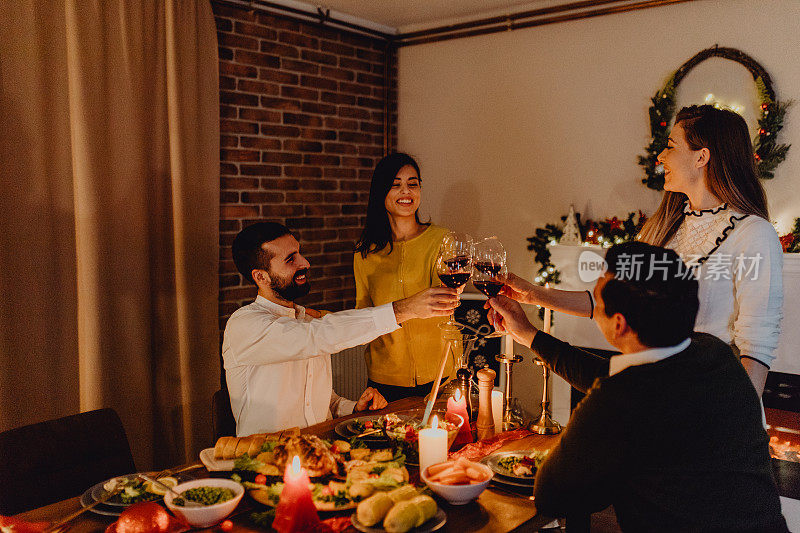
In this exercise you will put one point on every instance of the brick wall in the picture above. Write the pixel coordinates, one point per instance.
(301, 121)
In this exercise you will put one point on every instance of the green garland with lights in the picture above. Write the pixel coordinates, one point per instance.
(768, 152)
(791, 241)
(598, 232)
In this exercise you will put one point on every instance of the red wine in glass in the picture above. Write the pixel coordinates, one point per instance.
(456, 280)
(457, 263)
(488, 268)
(490, 288)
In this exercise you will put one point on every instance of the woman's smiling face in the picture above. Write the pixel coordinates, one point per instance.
(404, 196)
(682, 166)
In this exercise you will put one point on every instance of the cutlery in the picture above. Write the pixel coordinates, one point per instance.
(173, 471)
(59, 526)
(187, 503)
(369, 432)
(496, 486)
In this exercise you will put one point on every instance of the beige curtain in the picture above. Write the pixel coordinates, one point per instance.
(109, 217)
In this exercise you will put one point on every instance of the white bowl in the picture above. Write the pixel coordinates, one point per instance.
(459, 494)
(207, 515)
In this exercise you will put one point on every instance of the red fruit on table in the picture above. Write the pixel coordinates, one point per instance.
(147, 517)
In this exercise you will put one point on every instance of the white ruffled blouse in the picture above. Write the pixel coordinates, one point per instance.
(740, 271)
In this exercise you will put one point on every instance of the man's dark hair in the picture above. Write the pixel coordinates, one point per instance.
(247, 251)
(654, 290)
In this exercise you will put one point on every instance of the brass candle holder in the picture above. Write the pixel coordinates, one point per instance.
(545, 425)
(510, 420)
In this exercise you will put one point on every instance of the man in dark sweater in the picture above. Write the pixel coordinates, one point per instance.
(670, 431)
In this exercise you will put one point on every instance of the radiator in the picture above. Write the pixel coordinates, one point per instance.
(349, 372)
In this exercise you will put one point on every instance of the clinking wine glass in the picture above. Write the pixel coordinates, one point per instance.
(490, 269)
(454, 266)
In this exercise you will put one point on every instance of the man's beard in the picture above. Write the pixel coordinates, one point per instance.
(290, 290)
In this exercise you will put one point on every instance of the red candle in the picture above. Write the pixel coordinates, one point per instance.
(296, 511)
(457, 404)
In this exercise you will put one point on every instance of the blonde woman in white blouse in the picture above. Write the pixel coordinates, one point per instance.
(714, 214)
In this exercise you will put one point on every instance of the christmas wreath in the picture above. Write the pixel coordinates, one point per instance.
(768, 153)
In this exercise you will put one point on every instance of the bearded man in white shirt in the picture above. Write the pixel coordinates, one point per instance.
(277, 354)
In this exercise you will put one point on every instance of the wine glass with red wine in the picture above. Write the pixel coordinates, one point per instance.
(490, 269)
(454, 264)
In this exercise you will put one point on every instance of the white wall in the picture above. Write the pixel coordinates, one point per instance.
(511, 128)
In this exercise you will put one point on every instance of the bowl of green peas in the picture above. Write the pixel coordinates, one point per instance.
(217, 497)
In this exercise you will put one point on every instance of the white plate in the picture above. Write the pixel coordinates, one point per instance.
(87, 500)
(347, 431)
(438, 520)
(215, 465)
(493, 462)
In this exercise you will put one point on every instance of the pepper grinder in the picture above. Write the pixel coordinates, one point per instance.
(485, 423)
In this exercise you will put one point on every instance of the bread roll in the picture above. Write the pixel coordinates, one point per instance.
(403, 517)
(361, 489)
(427, 506)
(406, 492)
(372, 510)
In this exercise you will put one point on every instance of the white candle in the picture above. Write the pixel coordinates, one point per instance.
(548, 315)
(497, 410)
(432, 445)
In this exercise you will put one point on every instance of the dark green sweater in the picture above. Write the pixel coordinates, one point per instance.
(676, 445)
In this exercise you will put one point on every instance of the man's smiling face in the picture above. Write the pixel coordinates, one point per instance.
(288, 270)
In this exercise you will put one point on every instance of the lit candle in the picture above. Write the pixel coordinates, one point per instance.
(296, 511)
(432, 445)
(497, 410)
(548, 315)
(457, 404)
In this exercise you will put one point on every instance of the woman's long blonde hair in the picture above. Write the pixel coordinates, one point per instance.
(731, 170)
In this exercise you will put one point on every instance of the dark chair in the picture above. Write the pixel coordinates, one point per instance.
(59, 459)
(221, 415)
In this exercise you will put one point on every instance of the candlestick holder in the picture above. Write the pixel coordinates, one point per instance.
(545, 425)
(511, 420)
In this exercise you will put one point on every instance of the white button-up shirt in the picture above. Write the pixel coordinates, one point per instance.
(620, 362)
(278, 365)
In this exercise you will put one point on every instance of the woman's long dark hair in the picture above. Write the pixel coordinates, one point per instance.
(377, 232)
(731, 175)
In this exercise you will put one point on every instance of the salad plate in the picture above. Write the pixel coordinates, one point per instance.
(102, 509)
(516, 464)
(356, 426)
(136, 493)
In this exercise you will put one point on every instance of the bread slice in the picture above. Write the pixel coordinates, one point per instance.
(230, 448)
(242, 446)
(219, 447)
(255, 445)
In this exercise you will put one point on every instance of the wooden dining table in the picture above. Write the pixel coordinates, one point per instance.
(497, 509)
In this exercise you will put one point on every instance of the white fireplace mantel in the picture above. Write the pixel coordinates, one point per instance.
(583, 332)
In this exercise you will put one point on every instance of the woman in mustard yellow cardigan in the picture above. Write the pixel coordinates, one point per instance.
(395, 258)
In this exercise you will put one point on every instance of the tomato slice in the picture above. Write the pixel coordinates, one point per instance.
(261, 479)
